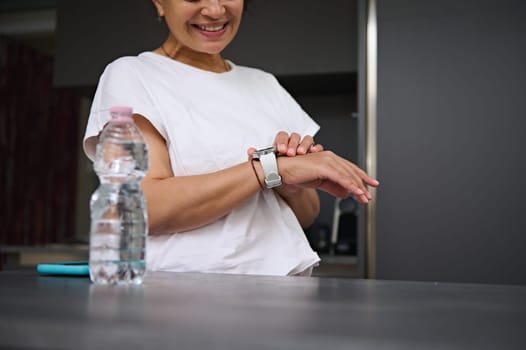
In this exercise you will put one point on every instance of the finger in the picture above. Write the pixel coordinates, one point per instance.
(334, 189)
(250, 152)
(357, 190)
(363, 199)
(360, 200)
(366, 194)
(340, 190)
(315, 148)
(349, 180)
(365, 177)
(358, 187)
(356, 176)
(347, 175)
(305, 144)
(372, 182)
(360, 178)
(281, 142)
(294, 141)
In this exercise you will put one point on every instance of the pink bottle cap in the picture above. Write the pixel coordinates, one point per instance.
(121, 114)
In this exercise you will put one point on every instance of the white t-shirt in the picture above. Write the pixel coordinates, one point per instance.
(209, 120)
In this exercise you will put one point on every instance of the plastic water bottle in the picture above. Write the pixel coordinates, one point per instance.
(119, 224)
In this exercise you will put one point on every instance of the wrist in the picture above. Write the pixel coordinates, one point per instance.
(286, 190)
(283, 164)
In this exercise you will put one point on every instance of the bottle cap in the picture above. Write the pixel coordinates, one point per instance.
(121, 114)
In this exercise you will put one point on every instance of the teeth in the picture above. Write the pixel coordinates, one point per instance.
(211, 28)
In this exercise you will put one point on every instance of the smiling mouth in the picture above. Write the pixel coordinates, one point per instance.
(210, 28)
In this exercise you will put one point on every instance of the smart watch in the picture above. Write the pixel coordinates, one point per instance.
(267, 158)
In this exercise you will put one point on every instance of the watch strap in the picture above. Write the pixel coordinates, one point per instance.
(269, 164)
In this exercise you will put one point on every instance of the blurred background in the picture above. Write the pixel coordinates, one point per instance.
(450, 125)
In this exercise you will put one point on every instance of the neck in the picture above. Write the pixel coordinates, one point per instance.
(210, 62)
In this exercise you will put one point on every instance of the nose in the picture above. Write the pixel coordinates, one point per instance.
(213, 8)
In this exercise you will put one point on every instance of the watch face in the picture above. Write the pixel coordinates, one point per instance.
(261, 152)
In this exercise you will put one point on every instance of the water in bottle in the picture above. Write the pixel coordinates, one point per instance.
(119, 224)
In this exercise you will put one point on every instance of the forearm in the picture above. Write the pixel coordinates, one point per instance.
(183, 203)
(305, 203)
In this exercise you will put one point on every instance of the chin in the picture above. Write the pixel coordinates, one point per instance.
(213, 49)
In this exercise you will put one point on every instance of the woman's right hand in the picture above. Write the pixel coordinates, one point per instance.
(293, 144)
(328, 172)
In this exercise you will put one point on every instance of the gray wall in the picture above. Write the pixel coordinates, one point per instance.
(451, 140)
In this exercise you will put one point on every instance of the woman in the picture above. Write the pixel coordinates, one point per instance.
(209, 208)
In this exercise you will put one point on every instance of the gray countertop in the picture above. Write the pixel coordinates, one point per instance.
(213, 311)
